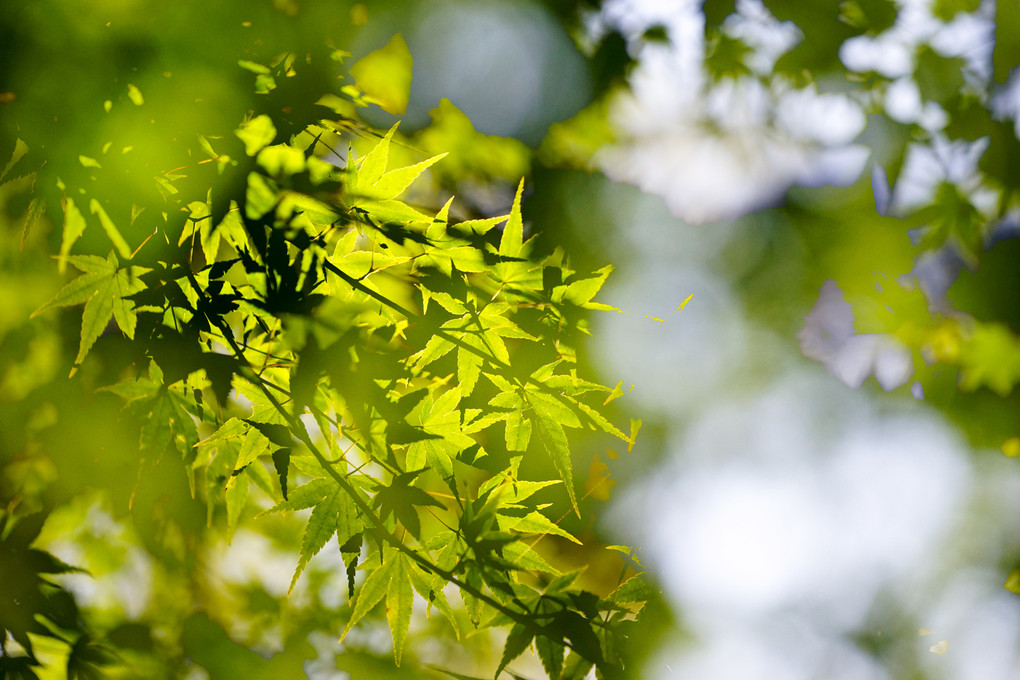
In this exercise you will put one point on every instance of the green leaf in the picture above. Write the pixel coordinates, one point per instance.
(430, 588)
(373, 165)
(435, 348)
(513, 232)
(230, 429)
(111, 229)
(254, 67)
(77, 292)
(551, 434)
(990, 358)
(550, 652)
(576, 667)
(256, 134)
(522, 556)
(632, 591)
(1006, 55)
(395, 182)
(321, 526)
(132, 389)
(946, 10)
(372, 591)
(305, 496)
(104, 289)
(98, 311)
(135, 95)
(74, 227)
(437, 229)
(469, 367)
(385, 76)
(534, 523)
(516, 642)
(236, 497)
(581, 292)
(20, 149)
(552, 407)
(254, 445)
(455, 676)
(399, 603)
(156, 432)
(281, 159)
(518, 431)
(601, 422)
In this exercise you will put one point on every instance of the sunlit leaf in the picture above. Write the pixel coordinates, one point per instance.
(385, 75)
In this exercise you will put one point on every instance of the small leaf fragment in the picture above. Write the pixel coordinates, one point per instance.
(135, 95)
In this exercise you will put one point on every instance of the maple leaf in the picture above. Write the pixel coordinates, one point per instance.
(103, 288)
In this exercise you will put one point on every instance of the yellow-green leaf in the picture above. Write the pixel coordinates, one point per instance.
(533, 523)
(395, 182)
(20, 149)
(258, 133)
(111, 229)
(94, 320)
(513, 231)
(235, 497)
(320, 528)
(518, 432)
(520, 554)
(254, 445)
(384, 75)
(469, 367)
(74, 227)
(135, 95)
(372, 591)
(373, 165)
(554, 440)
(230, 429)
(281, 159)
(399, 602)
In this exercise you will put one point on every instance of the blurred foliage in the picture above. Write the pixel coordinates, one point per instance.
(923, 247)
(239, 326)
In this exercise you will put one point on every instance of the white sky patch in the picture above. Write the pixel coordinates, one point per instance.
(506, 65)
(903, 100)
(828, 337)
(251, 558)
(885, 54)
(819, 529)
(787, 652)
(669, 359)
(716, 151)
(970, 36)
(768, 39)
(928, 166)
(980, 623)
(1006, 102)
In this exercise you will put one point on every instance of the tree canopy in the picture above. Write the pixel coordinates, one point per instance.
(283, 363)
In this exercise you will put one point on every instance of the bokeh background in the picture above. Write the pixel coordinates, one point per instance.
(809, 208)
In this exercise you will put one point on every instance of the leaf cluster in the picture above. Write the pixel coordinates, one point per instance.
(305, 339)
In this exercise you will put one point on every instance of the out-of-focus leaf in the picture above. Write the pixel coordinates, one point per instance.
(385, 76)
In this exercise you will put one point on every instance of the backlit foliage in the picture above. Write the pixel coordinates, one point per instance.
(297, 336)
